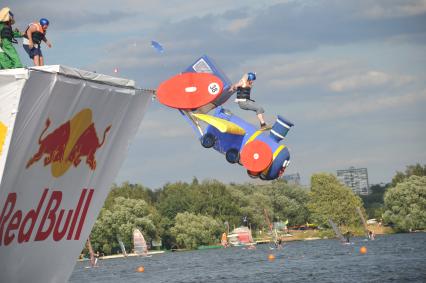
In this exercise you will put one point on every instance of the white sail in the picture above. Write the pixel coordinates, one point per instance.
(363, 221)
(139, 243)
(336, 230)
(123, 248)
(93, 261)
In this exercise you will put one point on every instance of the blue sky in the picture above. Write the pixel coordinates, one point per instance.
(351, 75)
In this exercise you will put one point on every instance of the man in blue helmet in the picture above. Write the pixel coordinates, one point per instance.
(34, 35)
(243, 88)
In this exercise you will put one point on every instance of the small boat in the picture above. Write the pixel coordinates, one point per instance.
(241, 236)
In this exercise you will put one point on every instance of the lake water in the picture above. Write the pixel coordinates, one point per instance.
(389, 258)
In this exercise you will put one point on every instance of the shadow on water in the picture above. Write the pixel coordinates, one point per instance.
(390, 258)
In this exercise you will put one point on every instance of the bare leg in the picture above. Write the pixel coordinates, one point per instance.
(36, 60)
(260, 116)
(41, 61)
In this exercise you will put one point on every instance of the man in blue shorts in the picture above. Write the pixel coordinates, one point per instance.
(34, 35)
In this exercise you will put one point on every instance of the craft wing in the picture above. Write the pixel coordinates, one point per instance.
(222, 125)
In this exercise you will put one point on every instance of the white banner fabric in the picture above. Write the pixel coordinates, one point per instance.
(69, 139)
(11, 84)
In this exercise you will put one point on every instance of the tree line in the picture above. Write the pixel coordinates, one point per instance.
(187, 215)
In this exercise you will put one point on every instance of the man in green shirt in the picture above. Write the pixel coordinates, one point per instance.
(9, 58)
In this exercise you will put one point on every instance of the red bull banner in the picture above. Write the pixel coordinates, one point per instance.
(64, 134)
(10, 81)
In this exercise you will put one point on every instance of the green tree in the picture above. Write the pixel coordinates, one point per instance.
(289, 202)
(331, 199)
(374, 202)
(120, 220)
(405, 204)
(176, 198)
(191, 230)
(213, 198)
(417, 170)
(130, 191)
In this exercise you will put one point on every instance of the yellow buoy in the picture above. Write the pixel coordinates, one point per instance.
(363, 250)
(140, 269)
(271, 257)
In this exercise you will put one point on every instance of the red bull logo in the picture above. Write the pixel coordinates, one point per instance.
(69, 144)
(43, 221)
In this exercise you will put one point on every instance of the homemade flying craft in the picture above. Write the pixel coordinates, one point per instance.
(202, 84)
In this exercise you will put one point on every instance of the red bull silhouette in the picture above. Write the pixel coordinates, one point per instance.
(69, 143)
(53, 145)
(87, 145)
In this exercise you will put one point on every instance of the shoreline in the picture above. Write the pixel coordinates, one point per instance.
(293, 235)
(150, 253)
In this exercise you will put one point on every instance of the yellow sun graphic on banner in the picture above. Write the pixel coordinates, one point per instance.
(69, 144)
(3, 131)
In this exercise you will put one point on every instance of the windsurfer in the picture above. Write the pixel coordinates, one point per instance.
(347, 236)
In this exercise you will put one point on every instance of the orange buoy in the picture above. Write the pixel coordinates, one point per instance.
(256, 156)
(140, 269)
(271, 257)
(363, 250)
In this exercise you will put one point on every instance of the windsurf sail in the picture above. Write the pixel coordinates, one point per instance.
(123, 248)
(363, 221)
(93, 260)
(139, 243)
(336, 230)
(270, 226)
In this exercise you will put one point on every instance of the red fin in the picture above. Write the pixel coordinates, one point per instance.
(189, 90)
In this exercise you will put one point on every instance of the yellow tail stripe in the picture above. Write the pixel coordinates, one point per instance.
(253, 136)
(276, 152)
(222, 125)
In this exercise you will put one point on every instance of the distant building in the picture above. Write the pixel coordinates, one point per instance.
(292, 178)
(355, 178)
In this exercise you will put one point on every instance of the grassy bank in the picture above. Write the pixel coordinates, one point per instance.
(298, 235)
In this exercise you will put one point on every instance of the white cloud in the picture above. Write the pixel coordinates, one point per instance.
(290, 72)
(368, 79)
(236, 25)
(393, 9)
(353, 105)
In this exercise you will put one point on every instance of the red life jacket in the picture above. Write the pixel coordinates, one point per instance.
(38, 35)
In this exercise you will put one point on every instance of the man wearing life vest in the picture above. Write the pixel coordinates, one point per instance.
(9, 58)
(243, 88)
(34, 35)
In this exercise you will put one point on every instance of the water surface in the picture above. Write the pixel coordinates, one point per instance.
(389, 258)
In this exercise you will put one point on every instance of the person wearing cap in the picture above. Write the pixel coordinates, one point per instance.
(34, 35)
(9, 58)
(243, 88)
